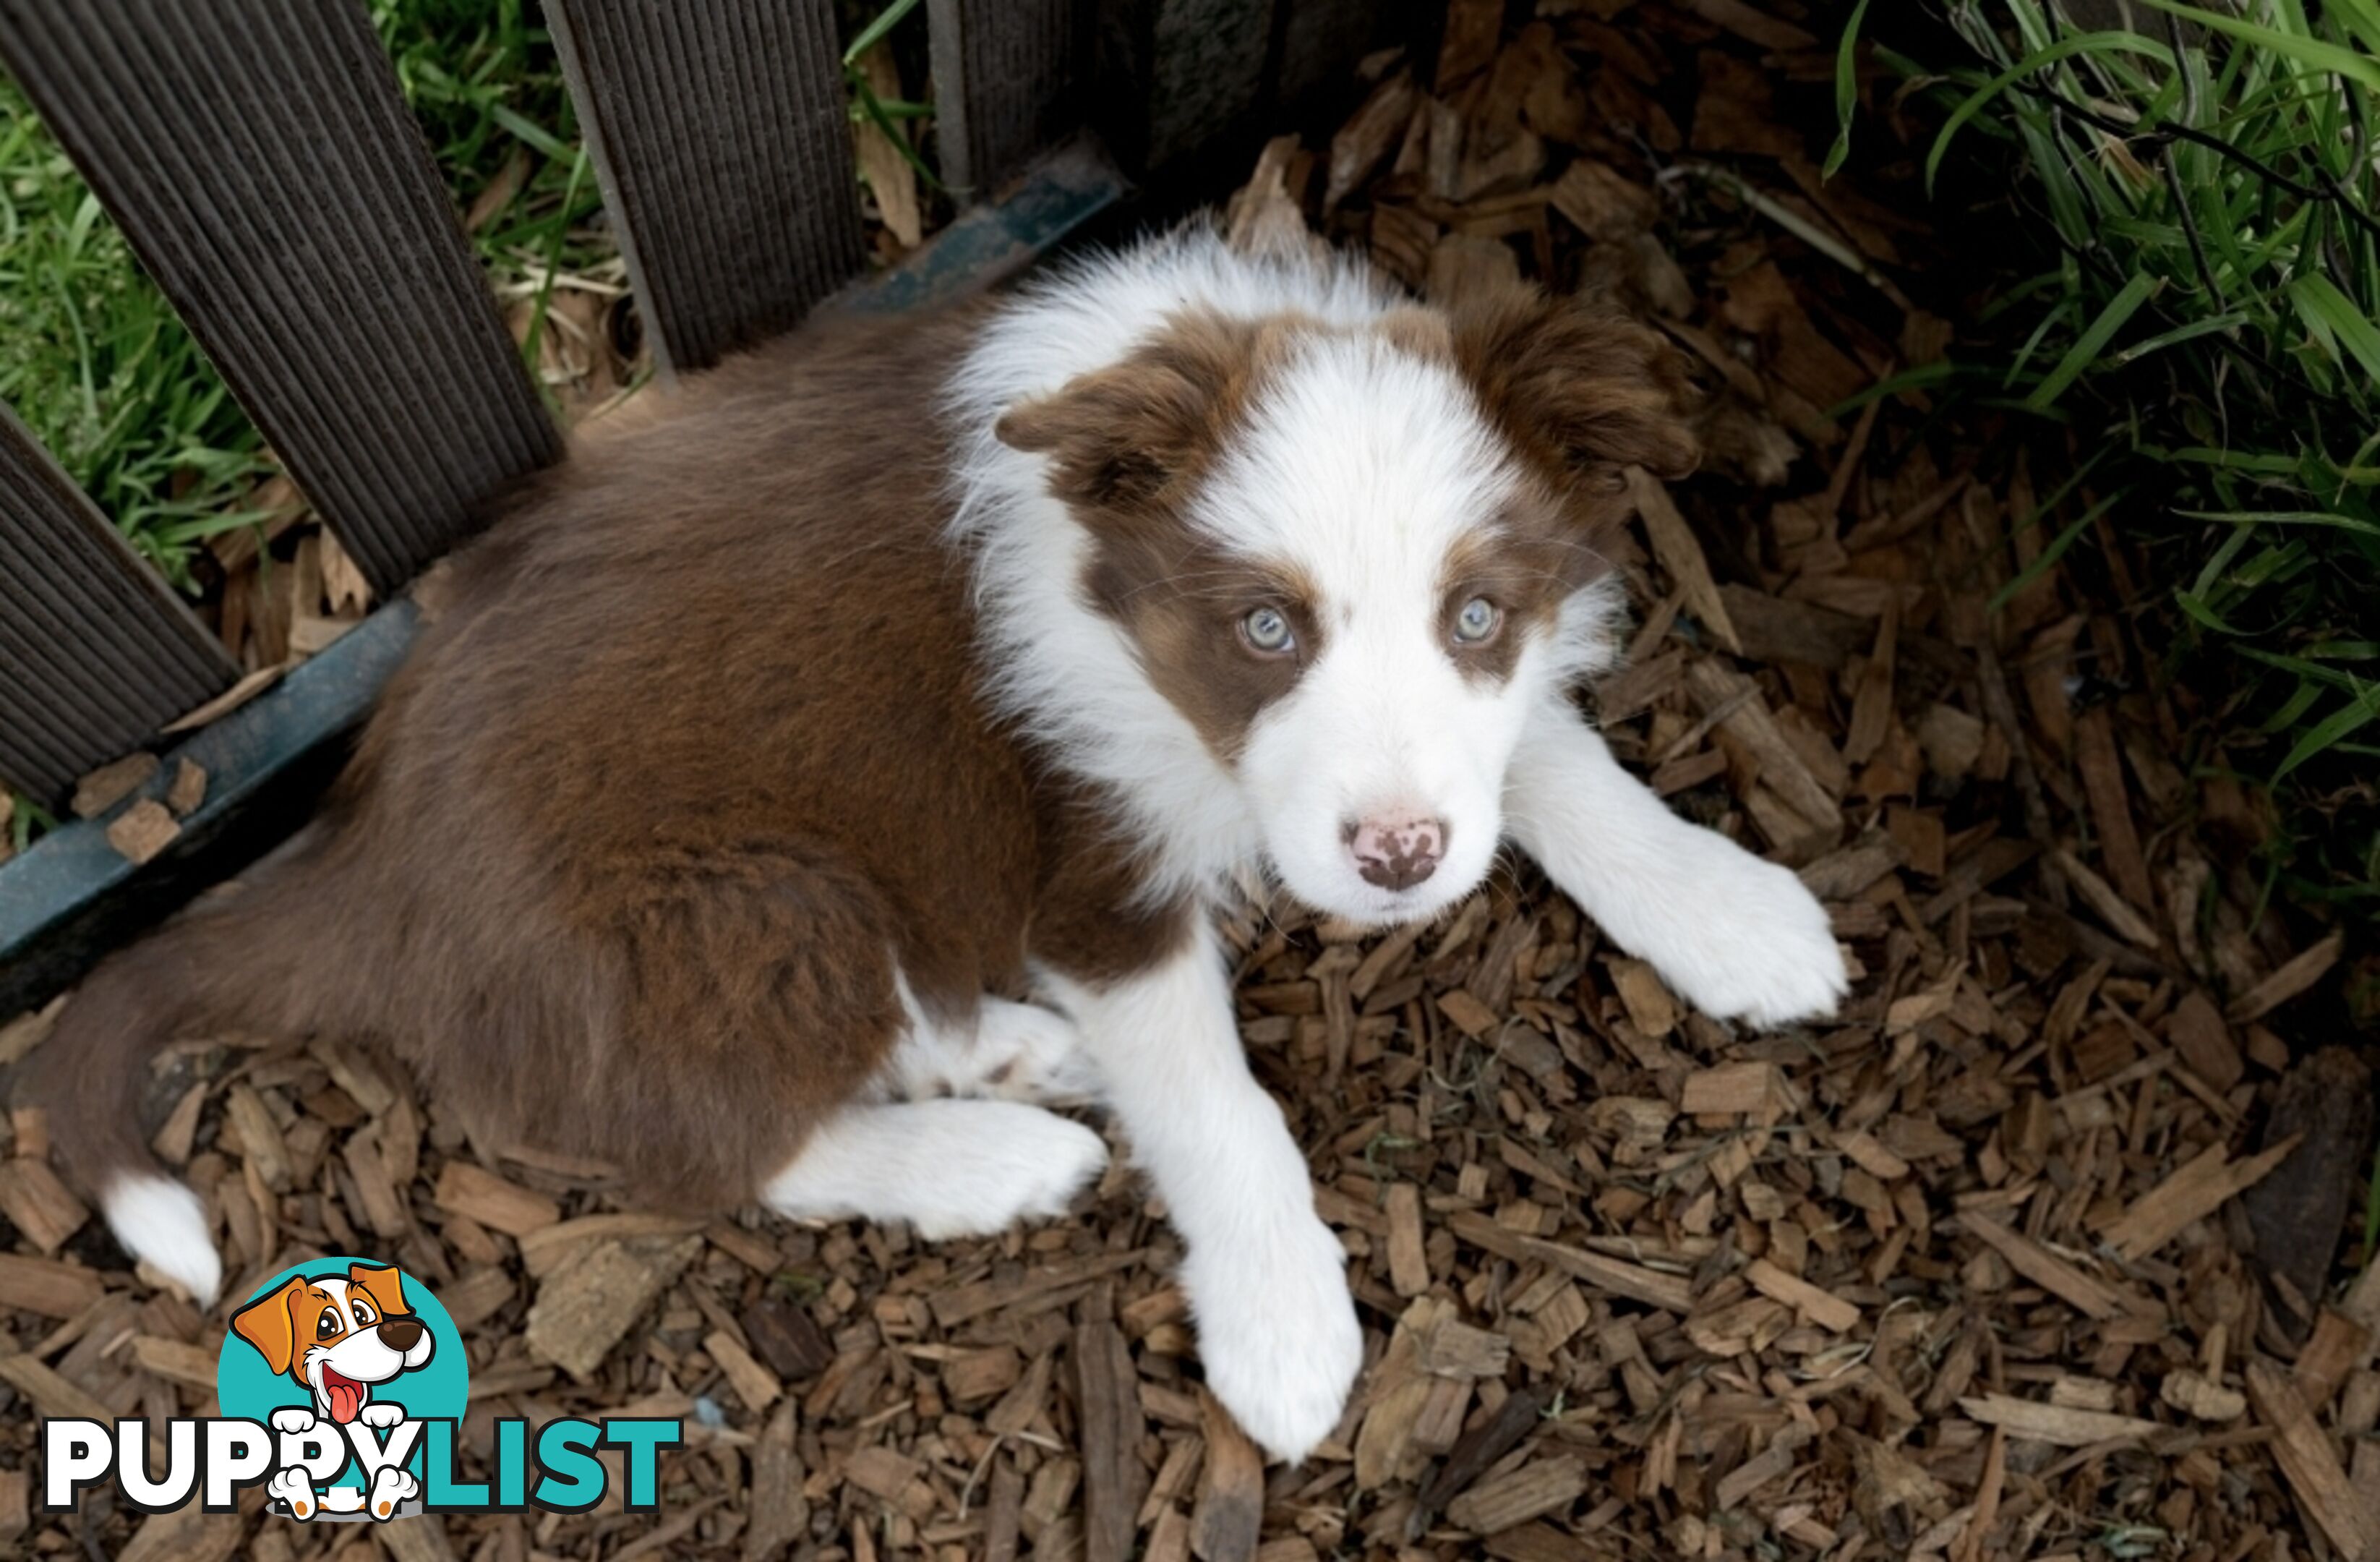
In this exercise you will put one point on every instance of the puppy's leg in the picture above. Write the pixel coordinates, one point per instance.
(1737, 937)
(1013, 1052)
(1266, 1280)
(392, 1487)
(951, 1168)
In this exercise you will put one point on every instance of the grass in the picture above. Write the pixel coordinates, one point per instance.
(2199, 198)
(95, 362)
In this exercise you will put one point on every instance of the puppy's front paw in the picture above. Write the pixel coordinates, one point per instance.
(1039, 1163)
(380, 1414)
(391, 1488)
(293, 1419)
(1277, 1332)
(292, 1488)
(1751, 943)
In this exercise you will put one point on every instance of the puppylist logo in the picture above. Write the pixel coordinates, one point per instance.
(342, 1384)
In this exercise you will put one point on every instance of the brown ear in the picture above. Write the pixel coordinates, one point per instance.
(267, 1323)
(383, 1285)
(1584, 393)
(1128, 435)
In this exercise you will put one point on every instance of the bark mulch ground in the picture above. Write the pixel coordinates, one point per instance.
(2043, 1248)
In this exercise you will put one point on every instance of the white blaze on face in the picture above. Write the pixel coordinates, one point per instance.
(1365, 471)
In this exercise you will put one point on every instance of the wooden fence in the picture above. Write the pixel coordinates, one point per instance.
(263, 164)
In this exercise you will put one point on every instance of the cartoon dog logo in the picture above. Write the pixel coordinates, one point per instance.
(337, 1337)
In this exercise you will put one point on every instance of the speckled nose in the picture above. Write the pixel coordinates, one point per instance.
(1396, 851)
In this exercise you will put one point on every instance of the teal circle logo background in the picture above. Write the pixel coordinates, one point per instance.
(247, 1386)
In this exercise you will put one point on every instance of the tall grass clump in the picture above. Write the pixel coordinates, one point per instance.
(2190, 219)
(104, 373)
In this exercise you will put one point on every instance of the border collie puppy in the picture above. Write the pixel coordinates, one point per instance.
(763, 756)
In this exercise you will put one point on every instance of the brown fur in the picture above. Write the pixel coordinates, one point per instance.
(695, 754)
(692, 758)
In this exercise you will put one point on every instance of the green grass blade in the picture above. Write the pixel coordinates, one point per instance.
(2333, 317)
(1846, 91)
(2314, 53)
(2328, 731)
(2095, 339)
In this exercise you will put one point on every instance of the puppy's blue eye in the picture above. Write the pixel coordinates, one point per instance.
(1267, 630)
(1477, 621)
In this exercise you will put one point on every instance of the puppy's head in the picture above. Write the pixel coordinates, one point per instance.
(1354, 557)
(338, 1335)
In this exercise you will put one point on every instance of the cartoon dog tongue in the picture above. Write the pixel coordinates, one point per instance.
(346, 1395)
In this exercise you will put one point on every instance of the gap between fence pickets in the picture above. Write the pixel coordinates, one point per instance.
(46, 892)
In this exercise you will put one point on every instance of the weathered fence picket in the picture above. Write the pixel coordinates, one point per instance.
(721, 134)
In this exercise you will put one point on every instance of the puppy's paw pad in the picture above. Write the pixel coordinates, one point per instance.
(1278, 1335)
(391, 1489)
(293, 1488)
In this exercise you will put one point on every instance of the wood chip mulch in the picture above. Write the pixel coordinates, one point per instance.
(2041, 1248)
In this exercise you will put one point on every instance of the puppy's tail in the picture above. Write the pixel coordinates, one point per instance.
(235, 960)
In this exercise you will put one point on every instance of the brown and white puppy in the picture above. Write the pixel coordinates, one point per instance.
(894, 666)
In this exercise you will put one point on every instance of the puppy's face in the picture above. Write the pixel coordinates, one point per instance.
(1353, 558)
(338, 1335)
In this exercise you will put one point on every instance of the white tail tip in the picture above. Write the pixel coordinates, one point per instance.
(162, 1224)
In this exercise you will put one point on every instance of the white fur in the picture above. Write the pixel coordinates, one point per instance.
(392, 1487)
(161, 1224)
(1361, 466)
(1266, 1279)
(951, 1168)
(1737, 937)
(294, 1487)
(358, 1354)
(1011, 1052)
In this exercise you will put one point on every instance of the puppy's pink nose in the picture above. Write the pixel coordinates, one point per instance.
(1396, 851)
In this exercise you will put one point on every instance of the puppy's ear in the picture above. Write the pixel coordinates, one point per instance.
(383, 1285)
(1133, 435)
(269, 1323)
(1583, 394)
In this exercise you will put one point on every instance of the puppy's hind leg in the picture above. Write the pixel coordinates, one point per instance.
(950, 1168)
(1010, 1052)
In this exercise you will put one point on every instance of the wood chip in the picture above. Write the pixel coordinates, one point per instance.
(1229, 1513)
(2060, 1425)
(142, 831)
(2198, 1189)
(1829, 1313)
(189, 789)
(2292, 979)
(1548, 1486)
(38, 1205)
(2304, 1453)
(584, 1308)
(470, 1190)
(1674, 544)
(753, 1384)
(2043, 1267)
(111, 784)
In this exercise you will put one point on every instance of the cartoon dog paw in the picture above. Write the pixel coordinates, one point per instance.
(381, 1417)
(293, 1419)
(390, 1489)
(292, 1488)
